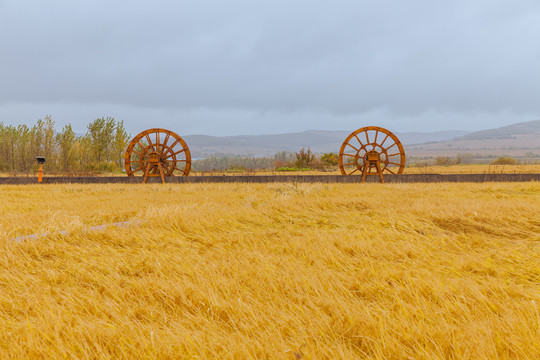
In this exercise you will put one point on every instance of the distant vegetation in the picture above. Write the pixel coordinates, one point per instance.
(469, 158)
(303, 160)
(101, 149)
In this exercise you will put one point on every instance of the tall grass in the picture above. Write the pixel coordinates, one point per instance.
(272, 271)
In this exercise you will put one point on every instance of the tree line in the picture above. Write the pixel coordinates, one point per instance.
(101, 149)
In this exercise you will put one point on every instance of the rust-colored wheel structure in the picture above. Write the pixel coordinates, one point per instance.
(371, 147)
(157, 152)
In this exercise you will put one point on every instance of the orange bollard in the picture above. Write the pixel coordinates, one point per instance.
(40, 160)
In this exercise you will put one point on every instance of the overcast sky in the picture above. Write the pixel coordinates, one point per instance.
(271, 66)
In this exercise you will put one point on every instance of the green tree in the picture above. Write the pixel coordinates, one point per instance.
(37, 134)
(11, 141)
(121, 141)
(66, 146)
(5, 148)
(101, 134)
(23, 147)
(83, 151)
(49, 148)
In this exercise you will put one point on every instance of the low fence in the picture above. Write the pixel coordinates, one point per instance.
(404, 178)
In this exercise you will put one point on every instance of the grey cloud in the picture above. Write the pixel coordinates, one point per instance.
(334, 60)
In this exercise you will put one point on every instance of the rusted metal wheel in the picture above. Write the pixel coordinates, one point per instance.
(369, 142)
(157, 152)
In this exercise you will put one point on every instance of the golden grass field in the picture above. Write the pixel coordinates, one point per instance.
(272, 271)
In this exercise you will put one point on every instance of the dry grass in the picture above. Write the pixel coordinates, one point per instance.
(430, 169)
(272, 271)
(475, 169)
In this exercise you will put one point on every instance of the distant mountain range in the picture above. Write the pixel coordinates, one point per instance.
(518, 140)
(505, 132)
(318, 141)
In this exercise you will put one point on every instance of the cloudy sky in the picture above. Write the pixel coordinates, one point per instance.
(271, 66)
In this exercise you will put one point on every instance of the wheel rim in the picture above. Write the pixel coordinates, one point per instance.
(167, 146)
(353, 152)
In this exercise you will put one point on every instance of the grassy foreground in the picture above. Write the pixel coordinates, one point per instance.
(272, 271)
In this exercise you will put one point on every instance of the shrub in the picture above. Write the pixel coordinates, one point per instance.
(329, 159)
(504, 160)
(236, 169)
(304, 158)
(446, 161)
(293, 169)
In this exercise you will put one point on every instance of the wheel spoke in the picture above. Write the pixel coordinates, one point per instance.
(353, 147)
(367, 137)
(375, 141)
(166, 166)
(150, 142)
(170, 171)
(167, 151)
(349, 164)
(394, 154)
(166, 139)
(387, 169)
(386, 137)
(176, 153)
(182, 170)
(174, 143)
(390, 162)
(352, 172)
(361, 143)
(390, 146)
(350, 155)
(142, 146)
